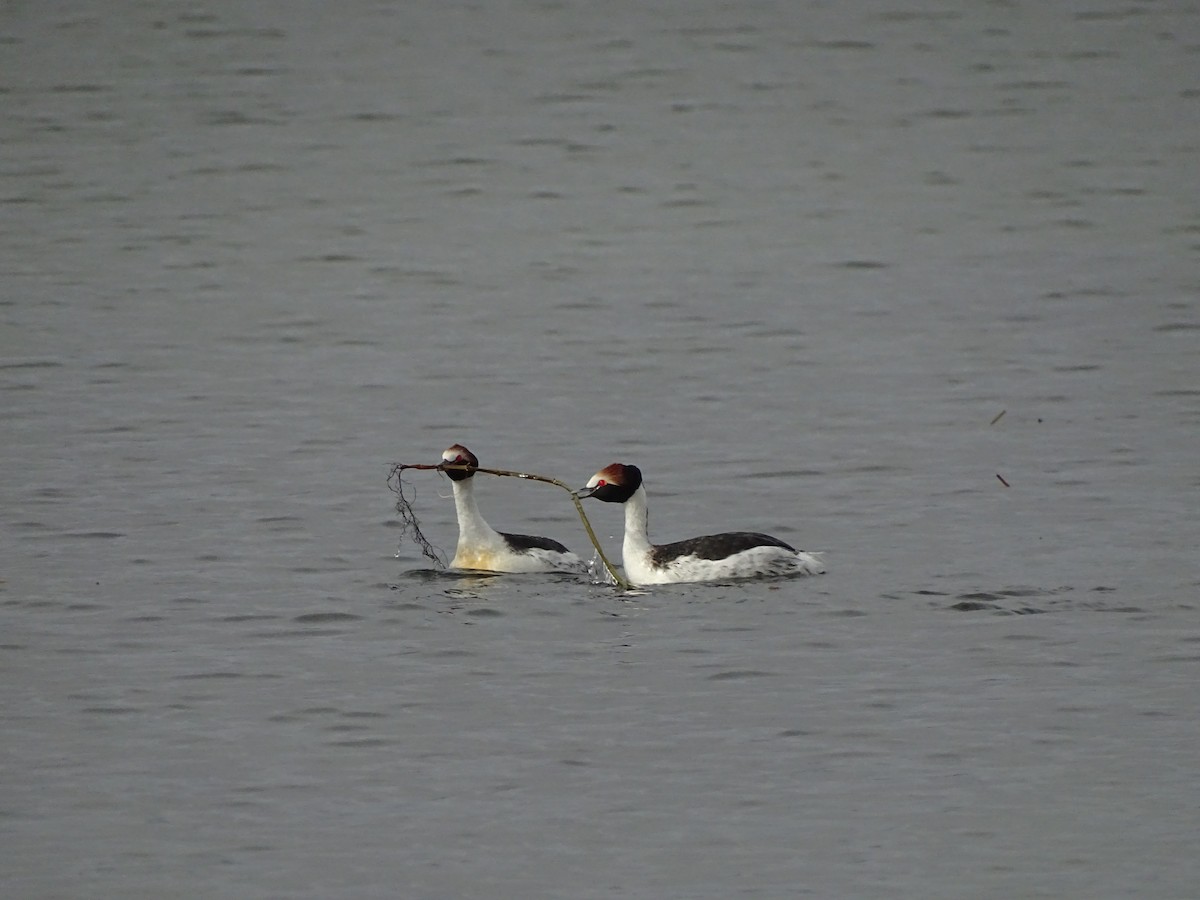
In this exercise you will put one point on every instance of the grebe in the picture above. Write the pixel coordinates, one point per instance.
(482, 548)
(714, 557)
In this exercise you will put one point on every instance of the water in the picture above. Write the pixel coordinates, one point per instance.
(790, 259)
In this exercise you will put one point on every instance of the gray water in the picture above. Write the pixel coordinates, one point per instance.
(792, 259)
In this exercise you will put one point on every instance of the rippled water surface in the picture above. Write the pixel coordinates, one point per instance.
(910, 285)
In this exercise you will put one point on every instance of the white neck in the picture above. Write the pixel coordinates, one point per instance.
(637, 541)
(472, 529)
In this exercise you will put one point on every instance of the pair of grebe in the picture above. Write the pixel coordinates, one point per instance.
(714, 557)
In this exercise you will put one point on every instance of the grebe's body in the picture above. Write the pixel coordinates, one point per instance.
(714, 557)
(482, 548)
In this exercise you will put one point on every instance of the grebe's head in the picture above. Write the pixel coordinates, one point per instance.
(613, 484)
(459, 455)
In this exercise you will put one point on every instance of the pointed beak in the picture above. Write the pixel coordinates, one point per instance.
(585, 492)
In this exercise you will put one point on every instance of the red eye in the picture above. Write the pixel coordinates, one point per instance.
(601, 483)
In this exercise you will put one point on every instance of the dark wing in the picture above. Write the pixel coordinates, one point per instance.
(523, 542)
(717, 546)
